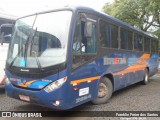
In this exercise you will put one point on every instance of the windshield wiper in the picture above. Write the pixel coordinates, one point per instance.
(35, 53)
(26, 47)
(37, 60)
(29, 40)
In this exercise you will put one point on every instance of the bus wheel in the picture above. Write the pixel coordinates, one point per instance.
(146, 78)
(104, 91)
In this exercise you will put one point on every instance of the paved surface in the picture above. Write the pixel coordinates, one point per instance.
(134, 98)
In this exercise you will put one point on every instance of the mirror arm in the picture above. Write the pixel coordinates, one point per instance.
(2, 38)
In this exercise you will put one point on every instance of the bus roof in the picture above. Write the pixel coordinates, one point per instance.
(115, 20)
(99, 13)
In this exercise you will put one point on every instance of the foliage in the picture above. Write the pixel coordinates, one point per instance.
(144, 14)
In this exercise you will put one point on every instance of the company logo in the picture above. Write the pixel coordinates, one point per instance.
(116, 60)
(24, 70)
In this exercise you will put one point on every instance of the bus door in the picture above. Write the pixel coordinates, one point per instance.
(84, 51)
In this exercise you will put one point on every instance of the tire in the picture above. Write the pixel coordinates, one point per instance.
(146, 77)
(105, 90)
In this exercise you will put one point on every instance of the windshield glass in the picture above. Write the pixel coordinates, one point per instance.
(40, 40)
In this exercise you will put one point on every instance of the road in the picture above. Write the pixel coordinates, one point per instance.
(137, 97)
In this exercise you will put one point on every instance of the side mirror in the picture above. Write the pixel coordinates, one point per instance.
(88, 29)
(88, 25)
(5, 33)
(7, 38)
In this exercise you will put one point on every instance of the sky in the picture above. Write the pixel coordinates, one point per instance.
(24, 7)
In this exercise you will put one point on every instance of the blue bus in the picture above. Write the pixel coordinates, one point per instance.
(66, 57)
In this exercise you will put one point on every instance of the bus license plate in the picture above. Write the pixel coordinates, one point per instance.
(25, 98)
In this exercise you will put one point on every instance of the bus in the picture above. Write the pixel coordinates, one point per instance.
(5, 37)
(66, 57)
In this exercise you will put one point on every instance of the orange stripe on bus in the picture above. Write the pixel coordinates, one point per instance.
(27, 83)
(85, 80)
(141, 64)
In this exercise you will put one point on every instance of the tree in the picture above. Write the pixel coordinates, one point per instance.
(144, 14)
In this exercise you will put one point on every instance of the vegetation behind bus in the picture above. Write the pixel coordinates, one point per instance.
(139, 13)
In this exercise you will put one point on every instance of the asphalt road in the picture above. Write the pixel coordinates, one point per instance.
(137, 97)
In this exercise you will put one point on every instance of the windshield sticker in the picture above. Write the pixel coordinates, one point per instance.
(22, 62)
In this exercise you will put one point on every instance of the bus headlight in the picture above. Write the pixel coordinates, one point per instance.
(55, 85)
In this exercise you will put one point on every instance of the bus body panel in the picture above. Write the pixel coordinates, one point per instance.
(40, 96)
(83, 91)
(153, 64)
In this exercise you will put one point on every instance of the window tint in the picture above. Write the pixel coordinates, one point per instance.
(114, 36)
(124, 38)
(91, 42)
(138, 40)
(130, 40)
(84, 48)
(83, 44)
(104, 34)
(146, 44)
(108, 35)
(154, 46)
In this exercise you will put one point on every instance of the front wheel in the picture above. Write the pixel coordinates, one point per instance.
(104, 91)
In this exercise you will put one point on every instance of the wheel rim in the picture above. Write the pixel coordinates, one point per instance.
(103, 90)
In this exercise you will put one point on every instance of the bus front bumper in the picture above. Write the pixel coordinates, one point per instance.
(52, 100)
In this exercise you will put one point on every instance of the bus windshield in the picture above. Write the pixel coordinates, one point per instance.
(40, 40)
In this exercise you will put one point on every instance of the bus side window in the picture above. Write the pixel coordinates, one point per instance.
(84, 48)
(104, 34)
(153, 46)
(114, 36)
(81, 43)
(138, 42)
(130, 40)
(77, 39)
(124, 39)
(91, 42)
(146, 44)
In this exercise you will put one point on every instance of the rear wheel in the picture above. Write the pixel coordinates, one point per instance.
(146, 77)
(104, 91)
